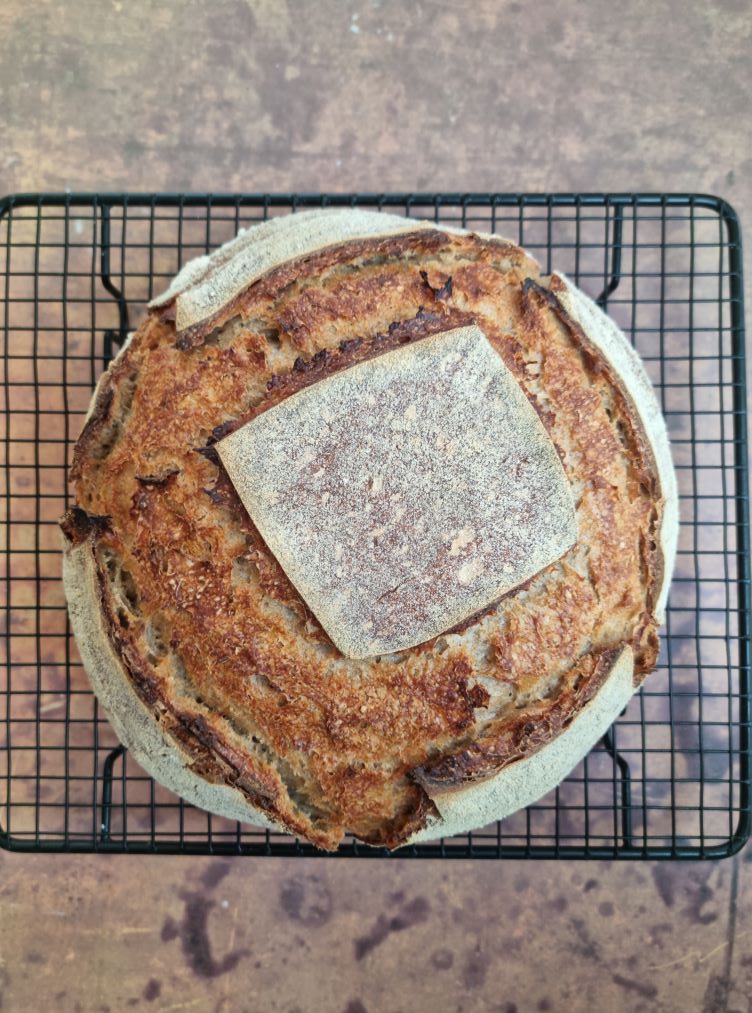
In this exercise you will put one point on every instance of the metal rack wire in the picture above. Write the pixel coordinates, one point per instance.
(670, 780)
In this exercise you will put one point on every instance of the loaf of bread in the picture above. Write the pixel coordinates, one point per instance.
(373, 532)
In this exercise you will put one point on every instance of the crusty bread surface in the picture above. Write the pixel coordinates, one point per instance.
(406, 493)
(213, 667)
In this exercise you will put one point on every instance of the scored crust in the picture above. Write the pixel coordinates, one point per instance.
(207, 287)
(523, 782)
(601, 330)
(427, 511)
(134, 722)
(212, 763)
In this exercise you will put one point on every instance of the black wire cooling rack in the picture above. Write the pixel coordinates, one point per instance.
(671, 779)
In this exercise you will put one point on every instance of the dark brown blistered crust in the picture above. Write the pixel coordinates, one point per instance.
(287, 273)
(524, 733)
(306, 372)
(433, 689)
(211, 754)
(101, 413)
(645, 642)
(78, 526)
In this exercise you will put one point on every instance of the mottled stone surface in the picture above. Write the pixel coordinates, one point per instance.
(277, 935)
(268, 95)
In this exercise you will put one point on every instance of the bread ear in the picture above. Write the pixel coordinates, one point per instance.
(601, 331)
(204, 288)
(134, 723)
(525, 781)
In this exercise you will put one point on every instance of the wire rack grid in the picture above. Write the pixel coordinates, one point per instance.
(670, 780)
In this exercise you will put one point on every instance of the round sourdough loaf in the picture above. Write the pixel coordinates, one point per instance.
(226, 667)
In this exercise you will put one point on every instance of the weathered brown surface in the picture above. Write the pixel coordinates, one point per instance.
(427, 95)
(209, 934)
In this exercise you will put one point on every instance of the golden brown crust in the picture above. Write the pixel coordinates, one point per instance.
(111, 401)
(522, 732)
(293, 271)
(357, 743)
(308, 371)
(202, 736)
(645, 639)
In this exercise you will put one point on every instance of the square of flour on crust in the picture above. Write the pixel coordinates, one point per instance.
(405, 493)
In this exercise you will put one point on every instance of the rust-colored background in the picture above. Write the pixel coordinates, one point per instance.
(275, 95)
